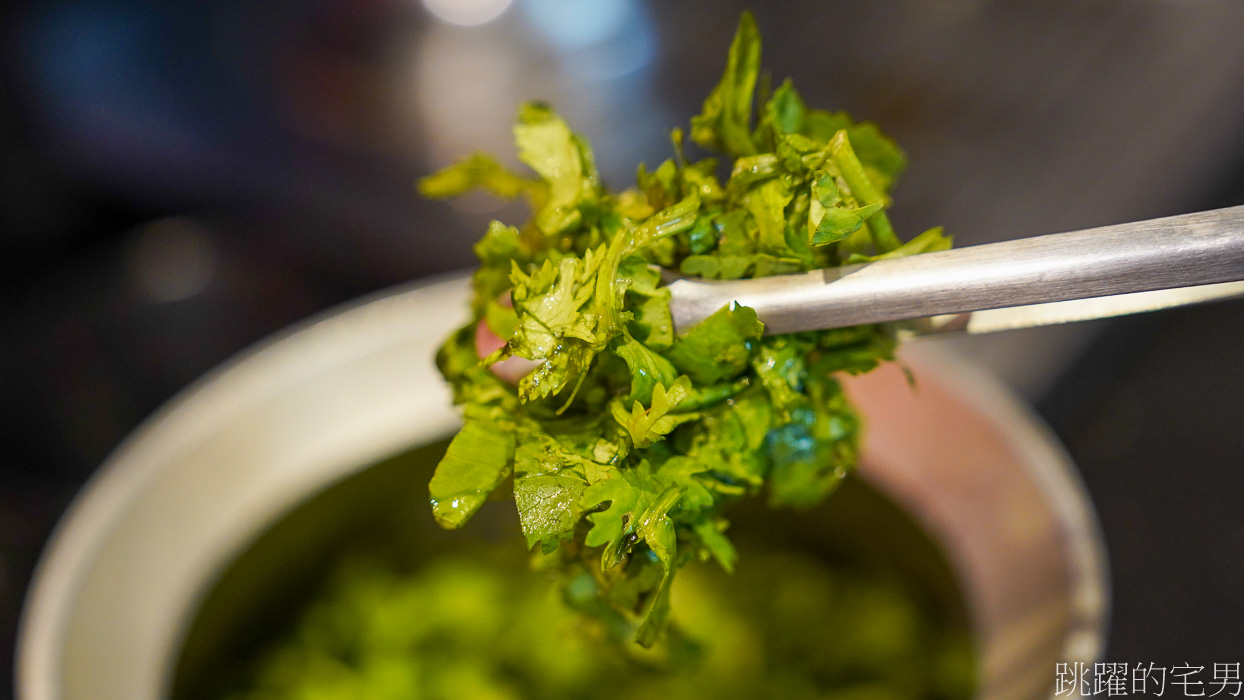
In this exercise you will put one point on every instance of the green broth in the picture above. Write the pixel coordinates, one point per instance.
(357, 594)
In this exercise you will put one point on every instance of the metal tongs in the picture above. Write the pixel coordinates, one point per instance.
(1063, 277)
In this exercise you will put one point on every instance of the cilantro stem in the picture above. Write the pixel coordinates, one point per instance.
(663, 430)
(862, 187)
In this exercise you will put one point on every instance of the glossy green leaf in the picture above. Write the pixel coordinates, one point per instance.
(626, 443)
(479, 171)
(548, 507)
(719, 347)
(724, 122)
(476, 462)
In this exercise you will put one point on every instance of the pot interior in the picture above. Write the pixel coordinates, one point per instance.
(381, 515)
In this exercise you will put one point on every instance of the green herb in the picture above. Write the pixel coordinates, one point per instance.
(468, 625)
(626, 444)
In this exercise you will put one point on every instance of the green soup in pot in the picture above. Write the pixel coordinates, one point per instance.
(357, 594)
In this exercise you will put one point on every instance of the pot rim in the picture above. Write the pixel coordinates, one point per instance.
(124, 472)
(346, 331)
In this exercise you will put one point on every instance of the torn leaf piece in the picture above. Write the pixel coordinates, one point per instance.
(479, 171)
(547, 146)
(724, 123)
(656, 529)
(930, 241)
(719, 347)
(548, 507)
(475, 463)
(646, 426)
(556, 324)
(830, 219)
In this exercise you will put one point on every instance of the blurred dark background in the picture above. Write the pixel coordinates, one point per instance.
(179, 179)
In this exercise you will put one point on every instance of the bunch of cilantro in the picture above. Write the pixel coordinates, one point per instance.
(626, 443)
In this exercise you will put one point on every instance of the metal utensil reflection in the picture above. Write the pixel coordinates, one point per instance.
(1062, 277)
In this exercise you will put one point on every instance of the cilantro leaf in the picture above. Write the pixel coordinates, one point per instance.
(719, 347)
(829, 218)
(784, 111)
(767, 204)
(928, 242)
(497, 251)
(651, 323)
(610, 525)
(476, 462)
(732, 267)
(863, 189)
(554, 325)
(479, 171)
(724, 124)
(547, 146)
(656, 529)
(648, 369)
(628, 444)
(646, 426)
(716, 543)
(548, 507)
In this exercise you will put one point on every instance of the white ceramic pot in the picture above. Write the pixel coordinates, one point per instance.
(134, 557)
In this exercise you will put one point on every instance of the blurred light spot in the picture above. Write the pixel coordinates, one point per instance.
(463, 88)
(617, 58)
(465, 92)
(573, 24)
(598, 41)
(467, 13)
(172, 259)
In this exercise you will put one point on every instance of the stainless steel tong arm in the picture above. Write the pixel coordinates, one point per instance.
(1204, 248)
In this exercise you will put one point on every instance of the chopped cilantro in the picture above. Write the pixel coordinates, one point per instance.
(468, 625)
(626, 444)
